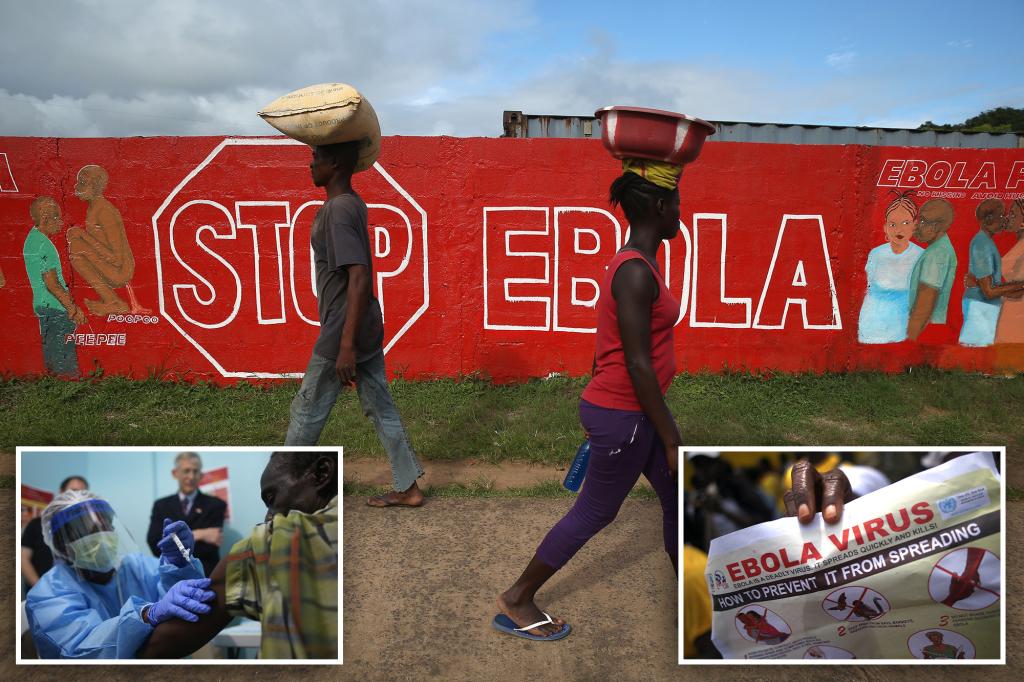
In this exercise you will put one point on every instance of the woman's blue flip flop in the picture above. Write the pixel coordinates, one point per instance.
(503, 623)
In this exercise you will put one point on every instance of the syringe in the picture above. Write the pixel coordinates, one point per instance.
(181, 547)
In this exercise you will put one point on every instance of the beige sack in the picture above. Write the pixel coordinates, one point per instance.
(327, 114)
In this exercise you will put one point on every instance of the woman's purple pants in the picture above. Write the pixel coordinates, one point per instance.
(623, 445)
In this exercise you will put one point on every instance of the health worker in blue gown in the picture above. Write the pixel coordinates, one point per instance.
(102, 598)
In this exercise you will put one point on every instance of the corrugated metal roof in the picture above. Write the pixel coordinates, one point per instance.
(517, 124)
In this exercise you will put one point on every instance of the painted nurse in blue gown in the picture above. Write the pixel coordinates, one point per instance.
(883, 316)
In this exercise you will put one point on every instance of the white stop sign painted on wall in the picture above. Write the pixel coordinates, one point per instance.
(234, 265)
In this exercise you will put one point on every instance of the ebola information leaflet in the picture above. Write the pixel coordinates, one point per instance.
(911, 571)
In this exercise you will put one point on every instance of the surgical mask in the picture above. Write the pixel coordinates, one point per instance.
(96, 552)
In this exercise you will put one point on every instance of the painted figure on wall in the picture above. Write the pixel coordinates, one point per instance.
(57, 311)
(886, 307)
(931, 279)
(1010, 328)
(982, 303)
(100, 252)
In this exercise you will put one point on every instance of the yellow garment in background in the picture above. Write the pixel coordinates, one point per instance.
(696, 599)
(771, 484)
(664, 175)
(746, 460)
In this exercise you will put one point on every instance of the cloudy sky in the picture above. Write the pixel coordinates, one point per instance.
(120, 68)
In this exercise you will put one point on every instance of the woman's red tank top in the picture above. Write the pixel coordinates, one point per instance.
(611, 386)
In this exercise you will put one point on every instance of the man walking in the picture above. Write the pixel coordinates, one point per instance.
(350, 346)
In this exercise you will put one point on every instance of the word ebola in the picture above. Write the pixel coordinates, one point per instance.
(543, 266)
(880, 527)
(914, 173)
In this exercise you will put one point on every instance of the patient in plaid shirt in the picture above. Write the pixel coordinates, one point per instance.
(285, 574)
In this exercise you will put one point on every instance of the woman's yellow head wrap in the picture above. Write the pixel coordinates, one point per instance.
(664, 175)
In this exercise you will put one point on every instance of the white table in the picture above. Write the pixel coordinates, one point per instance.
(245, 635)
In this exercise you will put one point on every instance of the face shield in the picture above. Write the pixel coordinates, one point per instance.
(82, 531)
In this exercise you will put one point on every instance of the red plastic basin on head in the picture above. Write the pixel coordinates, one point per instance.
(635, 132)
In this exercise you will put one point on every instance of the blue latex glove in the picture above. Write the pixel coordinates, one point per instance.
(183, 600)
(169, 550)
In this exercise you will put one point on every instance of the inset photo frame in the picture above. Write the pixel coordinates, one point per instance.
(192, 555)
(842, 555)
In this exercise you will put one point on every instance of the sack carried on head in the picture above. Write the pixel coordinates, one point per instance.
(327, 114)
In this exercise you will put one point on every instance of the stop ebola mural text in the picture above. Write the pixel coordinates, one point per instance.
(189, 257)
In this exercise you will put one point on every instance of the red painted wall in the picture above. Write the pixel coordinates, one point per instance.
(206, 217)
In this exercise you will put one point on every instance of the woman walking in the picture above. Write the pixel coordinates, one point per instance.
(623, 408)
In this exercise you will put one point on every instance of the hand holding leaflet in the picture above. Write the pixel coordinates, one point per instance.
(911, 570)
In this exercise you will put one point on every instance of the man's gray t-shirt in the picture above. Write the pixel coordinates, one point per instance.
(339, 239)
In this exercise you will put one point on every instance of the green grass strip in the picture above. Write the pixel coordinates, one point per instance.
(534, 421)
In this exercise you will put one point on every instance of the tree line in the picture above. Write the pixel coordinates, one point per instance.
(998, 120)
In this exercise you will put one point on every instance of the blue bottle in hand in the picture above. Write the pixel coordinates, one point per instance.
(578, 469)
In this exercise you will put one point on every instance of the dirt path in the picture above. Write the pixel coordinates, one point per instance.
(465, 472)
(373, 471)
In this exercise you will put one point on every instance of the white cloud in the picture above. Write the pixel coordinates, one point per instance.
(841, 60)
(961, 44)
(148, 113)
(124, 68)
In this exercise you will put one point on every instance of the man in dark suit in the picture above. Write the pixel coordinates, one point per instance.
(204, 514)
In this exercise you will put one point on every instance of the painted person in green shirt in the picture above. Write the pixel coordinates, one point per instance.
(285, 574)
(931, 280)
(57, 311)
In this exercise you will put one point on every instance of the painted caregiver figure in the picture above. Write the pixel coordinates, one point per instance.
(886, 308)
(350, 346)
(931, 279)
(983, 300)
(623, 407)
(99, 249)
(1010, 328)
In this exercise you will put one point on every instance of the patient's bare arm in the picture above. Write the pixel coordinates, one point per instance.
(178, 638)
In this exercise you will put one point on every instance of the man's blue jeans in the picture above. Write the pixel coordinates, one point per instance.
(319, 391)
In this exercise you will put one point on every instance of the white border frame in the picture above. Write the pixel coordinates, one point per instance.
(19, 451)
(1001, 452)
